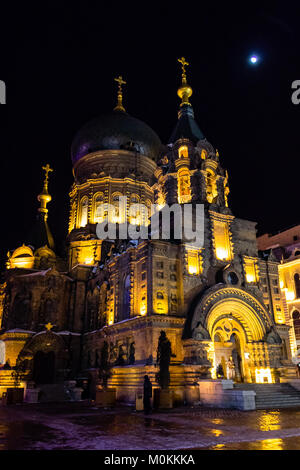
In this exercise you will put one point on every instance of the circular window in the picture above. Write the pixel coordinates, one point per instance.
(232, 278)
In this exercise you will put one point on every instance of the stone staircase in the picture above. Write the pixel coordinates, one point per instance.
(268, 396)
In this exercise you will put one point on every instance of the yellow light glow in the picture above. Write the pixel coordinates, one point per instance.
(193, 263)
(22, 257)
(290, 295)
(222, 254)
(281, 284)
(250, 278)
(213, 373)
(184, 186)
(263, 376)
(222, 243)
(183, 151)
(143, 309)
(251, 269)
(192, 270)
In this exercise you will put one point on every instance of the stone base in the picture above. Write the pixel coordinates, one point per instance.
(129, 380)
(221, 394)
(105, 397)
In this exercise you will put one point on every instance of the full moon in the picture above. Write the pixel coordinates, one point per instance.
(253, 59)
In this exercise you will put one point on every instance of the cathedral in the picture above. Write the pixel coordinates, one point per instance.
(219, 304)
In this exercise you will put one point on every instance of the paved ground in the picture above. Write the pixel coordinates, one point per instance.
(83, 426)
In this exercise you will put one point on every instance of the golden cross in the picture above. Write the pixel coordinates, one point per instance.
(48, 170)
(183, 63)
(120, 82)
(49, 326)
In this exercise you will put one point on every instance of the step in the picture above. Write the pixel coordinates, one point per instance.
(272, 396)
(274, 406)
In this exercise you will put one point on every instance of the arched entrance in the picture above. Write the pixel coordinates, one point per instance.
(229, 350)
(236, 332)
(44, 367)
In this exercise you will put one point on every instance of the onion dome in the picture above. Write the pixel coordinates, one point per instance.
(116, 131)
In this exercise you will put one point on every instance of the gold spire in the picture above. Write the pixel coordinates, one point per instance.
(120, 82)
(45, 197)
(185, 91)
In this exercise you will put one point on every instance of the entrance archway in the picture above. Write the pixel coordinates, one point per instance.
(229, 350)
(237, 328)
(44, 367)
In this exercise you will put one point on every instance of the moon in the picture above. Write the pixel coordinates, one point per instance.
(253, 59)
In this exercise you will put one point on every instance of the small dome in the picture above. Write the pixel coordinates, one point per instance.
(117, 130)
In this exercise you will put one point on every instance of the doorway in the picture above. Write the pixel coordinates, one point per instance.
(228, 357)
(44, 367)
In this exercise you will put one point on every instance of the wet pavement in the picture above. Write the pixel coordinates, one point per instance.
(83, 426)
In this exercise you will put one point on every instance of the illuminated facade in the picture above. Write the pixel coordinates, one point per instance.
(285, 247)
(210, 301)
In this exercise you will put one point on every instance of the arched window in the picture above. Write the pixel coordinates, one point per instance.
(297, 285)
(203, 154)
(118, 216)
(183, 151)
(296, 322)
(211, 186)
(184, 186)
(126, 297)
(84, 212)
(136, 216)
(159, 295)
(99, 208)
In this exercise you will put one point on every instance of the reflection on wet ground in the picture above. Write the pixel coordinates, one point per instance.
(84, 426)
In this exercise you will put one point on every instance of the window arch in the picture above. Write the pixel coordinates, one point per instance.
(126, 297)
(84, 211)
(184, 186)
(134, 199)
(297, 285)
(296, 323)
(183, 151)
(211, 186)
(99, 208)
(115, 201)
(136, 216)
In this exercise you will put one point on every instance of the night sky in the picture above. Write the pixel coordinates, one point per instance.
(59, 65)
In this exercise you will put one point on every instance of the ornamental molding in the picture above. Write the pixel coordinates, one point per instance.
(222, 293)
(140, 322)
